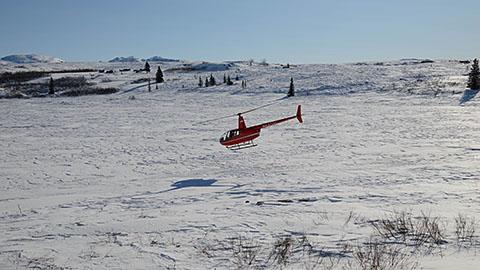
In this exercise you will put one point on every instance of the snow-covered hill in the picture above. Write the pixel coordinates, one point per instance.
(31, 58)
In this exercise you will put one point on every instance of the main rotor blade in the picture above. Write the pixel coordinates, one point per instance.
(263, 106)
(245, 112)
(216, 119)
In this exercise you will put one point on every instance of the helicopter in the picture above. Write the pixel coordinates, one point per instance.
(243, 136)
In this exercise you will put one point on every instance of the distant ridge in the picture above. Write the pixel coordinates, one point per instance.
(31, 59)
(127, 59)
(161, 59)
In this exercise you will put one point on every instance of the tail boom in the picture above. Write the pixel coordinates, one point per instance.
(298, 116)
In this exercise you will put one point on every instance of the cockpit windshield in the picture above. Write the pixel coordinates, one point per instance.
(229, 134)
(224, 136)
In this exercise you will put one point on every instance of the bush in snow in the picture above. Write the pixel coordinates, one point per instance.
(22, 76)
(376, 255)
(404, 227)
(71, 82)
(88, 91)
(465, 228)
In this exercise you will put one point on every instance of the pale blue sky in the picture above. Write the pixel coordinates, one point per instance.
(295, 31)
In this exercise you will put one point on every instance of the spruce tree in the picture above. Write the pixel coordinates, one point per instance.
(474, 76)
(159, 75)
(224, 78)
(212, 80)
(147, 67)
(200, 82)
(229, 82)
(291, 90)
(51, 87)
(207, 84)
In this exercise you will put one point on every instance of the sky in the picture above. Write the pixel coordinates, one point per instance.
(280, 31)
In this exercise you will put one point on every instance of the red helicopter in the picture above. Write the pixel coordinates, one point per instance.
(243, 136)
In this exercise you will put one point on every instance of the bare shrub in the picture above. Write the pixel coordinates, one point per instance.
(403, 227)
(89, 91)
(71, 82)
(21, 76)
(428, 231)
(291, 249)
(282, 250)
(397, 226)
(315, 262)
(140, 80)
(375, 255)
(245, 251)
(465, 229)
(285, 251)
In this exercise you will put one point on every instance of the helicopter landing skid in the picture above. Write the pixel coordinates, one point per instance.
(241, 146)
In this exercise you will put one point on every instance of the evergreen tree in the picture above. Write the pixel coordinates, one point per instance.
(207, 84)
(244, 83)
(147, 67)
(159, 76)
(51, 87)
(212, 80)
(291, 90)
(474, 76)
(200, 82)
(229, 82)
(224, 78)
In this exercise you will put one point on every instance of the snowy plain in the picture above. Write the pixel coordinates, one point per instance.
(116, 182)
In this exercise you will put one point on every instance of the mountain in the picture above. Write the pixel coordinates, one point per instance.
(31, 58)
(124, 59)
(161, 59)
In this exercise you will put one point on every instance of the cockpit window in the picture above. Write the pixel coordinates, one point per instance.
(229, 134)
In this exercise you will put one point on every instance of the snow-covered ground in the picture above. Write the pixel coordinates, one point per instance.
(116, 182)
